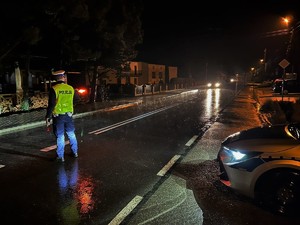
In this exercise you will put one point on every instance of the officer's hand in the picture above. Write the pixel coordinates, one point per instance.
(48, 122)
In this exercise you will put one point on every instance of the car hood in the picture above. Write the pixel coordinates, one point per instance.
(262, 139)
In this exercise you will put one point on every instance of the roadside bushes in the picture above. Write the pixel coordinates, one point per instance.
(288, 109)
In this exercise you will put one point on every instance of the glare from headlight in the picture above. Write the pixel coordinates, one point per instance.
(237, 155)
(217, 84)
(231, 157)
(209, 85)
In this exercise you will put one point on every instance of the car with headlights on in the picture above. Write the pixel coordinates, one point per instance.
(263, 163)
(213, 84)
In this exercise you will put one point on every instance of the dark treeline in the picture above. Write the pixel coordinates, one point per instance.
(102, 33)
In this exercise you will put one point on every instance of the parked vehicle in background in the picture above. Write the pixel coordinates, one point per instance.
(263, 163)
(289, 86)
(277, 86)
(79, 82)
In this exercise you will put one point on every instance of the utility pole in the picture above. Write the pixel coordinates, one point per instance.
(236, 83)
(206, 65)
(265, 59)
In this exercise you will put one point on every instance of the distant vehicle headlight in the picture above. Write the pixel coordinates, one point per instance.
(217, 84)
(209, 84)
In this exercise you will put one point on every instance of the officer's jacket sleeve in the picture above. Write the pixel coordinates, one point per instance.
(51, 103)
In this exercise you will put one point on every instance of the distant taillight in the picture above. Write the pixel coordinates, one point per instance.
(82, 91)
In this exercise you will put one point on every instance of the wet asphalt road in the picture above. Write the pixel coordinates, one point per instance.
(120, 154)
(196, 178)
(34, 191)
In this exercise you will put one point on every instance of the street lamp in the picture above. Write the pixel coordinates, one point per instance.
(286, 21)
(236, 82)
(252, 73)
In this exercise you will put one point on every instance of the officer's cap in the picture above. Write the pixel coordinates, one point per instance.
(58, 73)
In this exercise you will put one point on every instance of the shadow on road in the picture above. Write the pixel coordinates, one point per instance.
(221, 205)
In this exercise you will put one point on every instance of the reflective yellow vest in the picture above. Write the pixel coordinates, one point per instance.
(64, 98)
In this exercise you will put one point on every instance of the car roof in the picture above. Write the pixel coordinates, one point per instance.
(280, 80)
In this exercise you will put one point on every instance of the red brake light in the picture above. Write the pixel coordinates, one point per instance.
(82, 91)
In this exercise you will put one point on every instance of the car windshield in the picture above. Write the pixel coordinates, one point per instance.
(294, 130)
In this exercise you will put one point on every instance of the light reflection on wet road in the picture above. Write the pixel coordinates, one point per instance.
(111, 169)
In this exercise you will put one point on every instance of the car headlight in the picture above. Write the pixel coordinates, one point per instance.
(233, 156)
(217, 84)
(209, 84)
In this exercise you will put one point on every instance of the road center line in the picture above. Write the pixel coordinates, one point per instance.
(52, 147)
(191, 141)
(165, 169)
(126, 211)
(113, 126)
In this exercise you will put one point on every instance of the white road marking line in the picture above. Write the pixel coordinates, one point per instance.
(126, 211)
(170, 209)
(113, 126)
(1, 166)
(48, 149)
(165, 169)
(52, 147)
(191, 141)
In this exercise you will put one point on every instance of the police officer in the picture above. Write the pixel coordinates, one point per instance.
(60, 109)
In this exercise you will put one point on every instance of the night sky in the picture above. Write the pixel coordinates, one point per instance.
(227, 36)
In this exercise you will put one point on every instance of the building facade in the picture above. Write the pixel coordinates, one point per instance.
(144, 73)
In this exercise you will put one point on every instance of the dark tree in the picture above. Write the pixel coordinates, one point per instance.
(102, 33)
